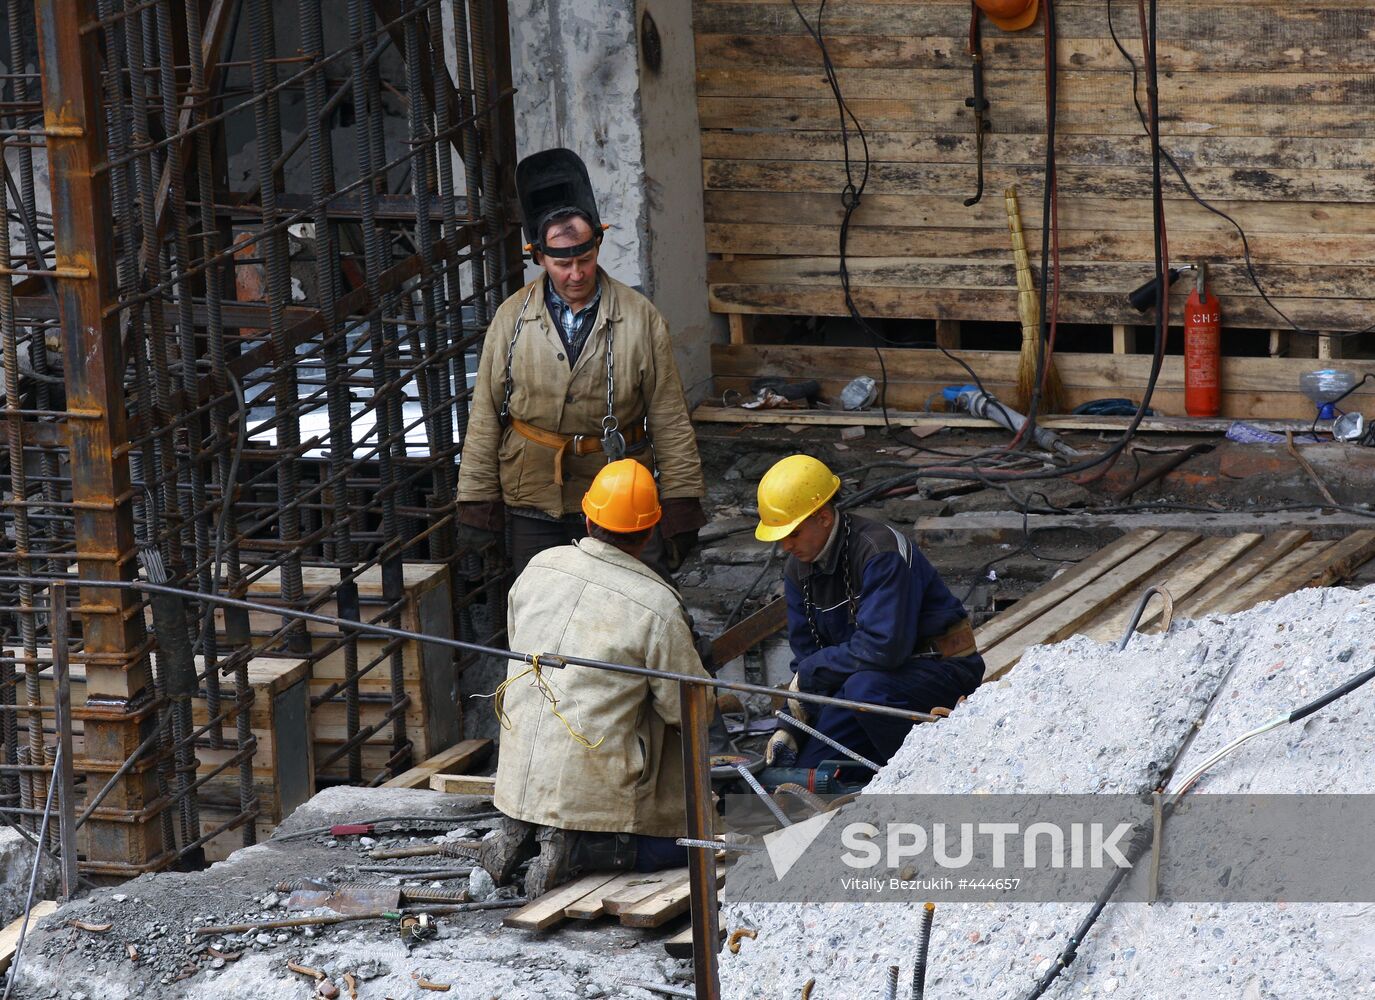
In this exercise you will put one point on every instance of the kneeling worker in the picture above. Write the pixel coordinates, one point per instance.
(591, 765)
(869, 619)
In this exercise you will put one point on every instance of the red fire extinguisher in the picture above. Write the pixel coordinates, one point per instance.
(1202, 350)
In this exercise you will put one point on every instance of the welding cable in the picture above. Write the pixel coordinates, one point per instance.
(851, 195)
(1336, 694)
(1205, 204)
(470, 818)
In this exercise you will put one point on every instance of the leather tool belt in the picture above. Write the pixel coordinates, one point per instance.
(575, 444)
(956, 641)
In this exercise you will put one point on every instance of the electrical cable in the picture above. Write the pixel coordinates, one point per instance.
(850, 197)
(1205, 204)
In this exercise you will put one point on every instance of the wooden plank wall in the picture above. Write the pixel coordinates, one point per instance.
(1267, 105)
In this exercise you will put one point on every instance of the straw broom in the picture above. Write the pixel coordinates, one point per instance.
(1029, 309)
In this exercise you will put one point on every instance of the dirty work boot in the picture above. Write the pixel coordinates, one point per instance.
(566, 854)
(507, 846)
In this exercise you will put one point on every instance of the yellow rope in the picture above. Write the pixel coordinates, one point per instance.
(499, 702)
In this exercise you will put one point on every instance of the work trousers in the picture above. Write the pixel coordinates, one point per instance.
(532, 535)
(918, 686)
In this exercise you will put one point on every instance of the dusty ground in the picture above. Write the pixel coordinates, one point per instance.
(158, 915)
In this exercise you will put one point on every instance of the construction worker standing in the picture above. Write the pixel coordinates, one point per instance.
(869, 618)
(577, 370)
(591, 763)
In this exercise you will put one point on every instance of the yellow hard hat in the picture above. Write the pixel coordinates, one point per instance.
(623, 498)
(790, 492)
(1010, 15)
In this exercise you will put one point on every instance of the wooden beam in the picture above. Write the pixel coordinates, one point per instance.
(1051, 593)
(1079, 607)
(469, 753)
(9, 937)
(545, 912)
(463, 784)
(1275, 547)
(711, 413)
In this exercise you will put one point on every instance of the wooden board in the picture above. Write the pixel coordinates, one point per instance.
(545, 912)
(458, 758)
(1265, 106)
(1065, 618)
(631, 896)
(9, 937)
(1241, 572)
(593, 905)
(463, 784)
(1180, 579)
(714, 413)
(664, 905)
(1256, 387)
(1051, 593)
(1216, 575)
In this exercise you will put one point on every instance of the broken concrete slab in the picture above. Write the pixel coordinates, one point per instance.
(16, 869)
(1083, 717)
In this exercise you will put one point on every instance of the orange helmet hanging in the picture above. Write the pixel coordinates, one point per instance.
(623, 498)
(1010, 15)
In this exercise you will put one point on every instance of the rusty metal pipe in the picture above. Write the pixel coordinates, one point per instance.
(706, 928)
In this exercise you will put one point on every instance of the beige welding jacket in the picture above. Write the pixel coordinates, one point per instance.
(500, 464)
(592, 600)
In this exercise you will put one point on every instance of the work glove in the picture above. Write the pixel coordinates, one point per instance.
(678, 547)
(472, 538)
(781, 750)
(480, 523)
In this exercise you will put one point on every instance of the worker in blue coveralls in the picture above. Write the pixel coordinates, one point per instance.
(869, 619)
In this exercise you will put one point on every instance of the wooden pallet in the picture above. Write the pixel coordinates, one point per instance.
(1204, 575)
(634, 898)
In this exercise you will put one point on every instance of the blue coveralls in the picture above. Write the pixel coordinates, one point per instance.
(875, 602)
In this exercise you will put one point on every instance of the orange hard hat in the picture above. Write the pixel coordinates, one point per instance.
(623, 498)
(1010, 15)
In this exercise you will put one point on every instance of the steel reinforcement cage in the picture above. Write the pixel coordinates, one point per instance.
(251, 249)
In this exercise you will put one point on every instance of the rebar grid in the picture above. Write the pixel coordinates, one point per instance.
(234, 358)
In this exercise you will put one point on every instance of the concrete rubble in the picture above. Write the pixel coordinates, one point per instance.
(1081, 717)
(151, 951)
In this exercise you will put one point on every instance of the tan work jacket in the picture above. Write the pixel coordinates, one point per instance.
(500, 464)
(592, 600)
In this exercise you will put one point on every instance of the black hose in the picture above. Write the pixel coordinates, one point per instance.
(1333, 695)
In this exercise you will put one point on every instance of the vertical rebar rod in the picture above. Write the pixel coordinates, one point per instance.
(28, 208)
(62, 721)
(335, 358)
(484, 92)
(472, 173)
(268, 132)
(151, 260)
(18, 476)
(383, 340)
(423, 184)
(9, 730)
(186, 327)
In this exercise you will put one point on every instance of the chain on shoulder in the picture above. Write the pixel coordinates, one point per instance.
(511, 355)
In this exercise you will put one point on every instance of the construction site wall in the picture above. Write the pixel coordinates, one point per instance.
(1265, 107)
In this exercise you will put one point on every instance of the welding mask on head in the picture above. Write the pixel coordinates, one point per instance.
(551, 183)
